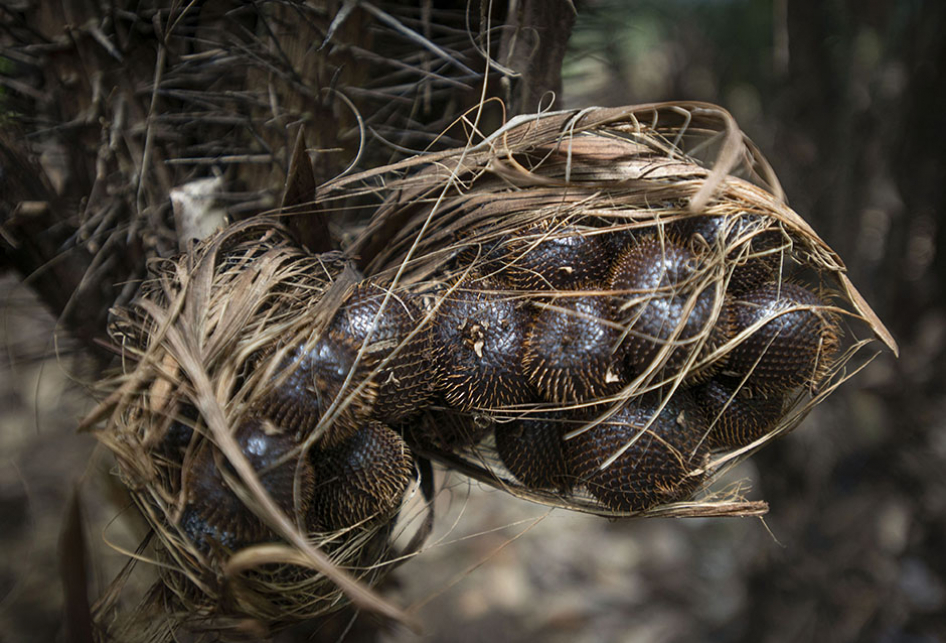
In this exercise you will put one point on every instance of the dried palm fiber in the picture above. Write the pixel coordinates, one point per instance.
(110, 106)
(676, 182)
(235, 488)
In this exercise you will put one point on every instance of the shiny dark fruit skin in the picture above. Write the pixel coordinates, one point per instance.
(215, 534)
(407, 382)
(653, 470)
(180, 432)
(445, 429)
(310, 380)
(214, 516)
(750, 246)
(792, 348)
(487, 254)
(561, 258)
(737, 415)
(662, 275)
(532, 450)
(479, 337)
(569, 354)
(178, 437)
(736, 228)
(359, 479)
(616, 242)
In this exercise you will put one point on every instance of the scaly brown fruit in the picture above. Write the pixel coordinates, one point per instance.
(662, 449)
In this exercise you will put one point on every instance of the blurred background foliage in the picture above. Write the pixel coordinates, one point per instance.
(845, 98)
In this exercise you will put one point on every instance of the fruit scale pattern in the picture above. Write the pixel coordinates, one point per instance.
(579, 324)
(542, 335)
(537, 337)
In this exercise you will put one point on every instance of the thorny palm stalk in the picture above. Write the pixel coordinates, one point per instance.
(108, 107)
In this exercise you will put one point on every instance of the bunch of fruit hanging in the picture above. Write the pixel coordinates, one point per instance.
(597, 310)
